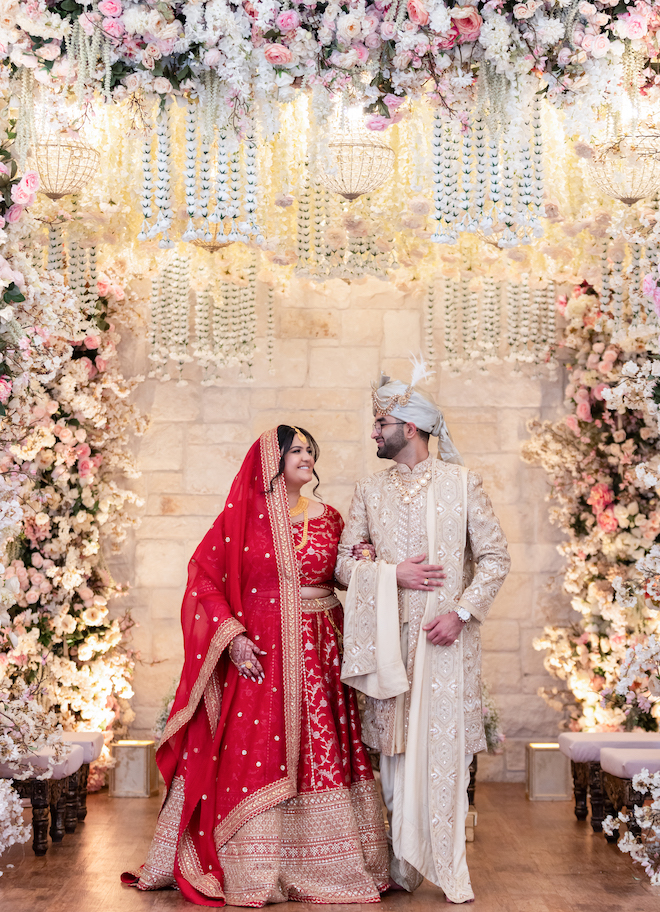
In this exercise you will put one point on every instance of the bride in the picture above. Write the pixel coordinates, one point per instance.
(270, 793)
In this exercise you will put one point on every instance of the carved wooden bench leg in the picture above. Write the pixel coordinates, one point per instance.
(57, 808)
(38, 791)
(71, 803)
(622, 795)
(83, 772)
(580, 788)
(597, 796)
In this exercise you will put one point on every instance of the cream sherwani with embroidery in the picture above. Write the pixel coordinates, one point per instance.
(423, 702)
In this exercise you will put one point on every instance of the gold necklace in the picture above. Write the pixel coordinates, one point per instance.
(409, 492)
(301, 507)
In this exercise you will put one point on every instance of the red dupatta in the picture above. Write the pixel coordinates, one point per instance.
(236, 744)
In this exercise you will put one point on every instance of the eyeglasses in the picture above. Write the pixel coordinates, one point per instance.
(380, 424)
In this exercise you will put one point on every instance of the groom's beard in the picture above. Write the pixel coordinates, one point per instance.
(393, 445)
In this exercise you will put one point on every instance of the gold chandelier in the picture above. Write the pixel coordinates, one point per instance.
(627, 168)
(216, 239)
(65, 164)
(357, 161)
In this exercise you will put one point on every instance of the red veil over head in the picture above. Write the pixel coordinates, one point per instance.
(233, 744)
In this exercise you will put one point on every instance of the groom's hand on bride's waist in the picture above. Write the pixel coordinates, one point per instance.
(413, 573)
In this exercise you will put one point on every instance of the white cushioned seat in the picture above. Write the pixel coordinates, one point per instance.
(624, 763)
(585, 747)
(91, 743)
(70, 764)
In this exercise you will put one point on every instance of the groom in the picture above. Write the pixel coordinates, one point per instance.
(412, 630)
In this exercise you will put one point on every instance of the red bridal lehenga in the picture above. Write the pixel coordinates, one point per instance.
(270, 794)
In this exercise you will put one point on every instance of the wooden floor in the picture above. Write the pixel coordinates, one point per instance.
(527, 857)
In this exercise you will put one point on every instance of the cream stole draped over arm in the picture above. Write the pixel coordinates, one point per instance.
(430, 801)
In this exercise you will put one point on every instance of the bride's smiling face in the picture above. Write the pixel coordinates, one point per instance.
(298, 464)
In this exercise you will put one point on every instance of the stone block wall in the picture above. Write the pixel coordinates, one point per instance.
(331, 343)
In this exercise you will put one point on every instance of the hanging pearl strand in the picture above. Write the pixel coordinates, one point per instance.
(524, 320)
(55, 248)
(494, 175)
(617, 295)
(92, 271)
(204, 170)
(202, 350)
(464, 197)
(537, 158)
(319, 260)
(481, 178)
(163, 179)
(147, 187)
(429, 323)
(155, 334)
(270, 330)
(508, 239)
(249, 318)
(190, 170)
(222, 188)
(535, 334)
(235, 197)
(222, 328)
(634, 286)
(455, 191)
(303, 226)
(437, 168)
(251, 190)
(450, 323)
(182, 338)
(512, 291)
(489, 340)
(469, 321)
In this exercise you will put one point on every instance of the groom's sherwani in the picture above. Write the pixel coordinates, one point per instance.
(423, 701)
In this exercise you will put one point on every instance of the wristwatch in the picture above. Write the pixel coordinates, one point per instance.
(463, 613)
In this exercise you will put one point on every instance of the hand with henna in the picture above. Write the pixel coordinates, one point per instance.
(245, 656)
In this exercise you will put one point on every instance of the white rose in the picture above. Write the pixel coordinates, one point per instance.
(348, 26)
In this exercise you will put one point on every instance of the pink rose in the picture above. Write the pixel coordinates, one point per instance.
(418, 12)
(85, 467)
(632, 26)
(600, 46)
(362, 52)
(148, 61)
(92, 341)
(103, 286)
(31, 180)
(468, 22)
(449, 40)
(583, 411)
(600, 497)
(48, 51)
(278, 55)
(387, 30)
(372, 40)
(597, 391)
(378, 123)
(393, 101)
(83, 450)
(87, 22)
(100, 363)
(588, 43)
(113, 27)
(162, 85)
(14, 213)
(91, 370)
(213, 57)
(110, 8)
(370, 23)
(5, 389)
(608, 521)
(564, 56)
(288, 21)
(21, 195)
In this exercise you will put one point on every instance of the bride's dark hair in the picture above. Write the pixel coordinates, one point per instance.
(285, 436)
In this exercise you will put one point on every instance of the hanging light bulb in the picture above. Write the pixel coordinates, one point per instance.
(65, 163)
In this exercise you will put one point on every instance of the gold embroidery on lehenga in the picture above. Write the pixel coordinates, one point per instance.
(317, 847)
